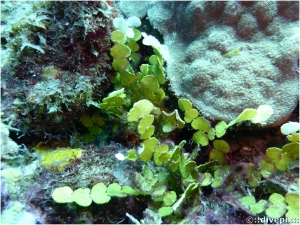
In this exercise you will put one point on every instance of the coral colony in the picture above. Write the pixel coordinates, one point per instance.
(149, 112)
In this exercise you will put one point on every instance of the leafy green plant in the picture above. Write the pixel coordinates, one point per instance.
(93, 124)
(100, 194)
(170, 176)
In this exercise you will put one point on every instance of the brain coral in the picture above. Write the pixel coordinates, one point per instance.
(224, 66)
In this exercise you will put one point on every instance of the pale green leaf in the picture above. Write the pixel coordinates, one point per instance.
(184, 104)
(82, 197)
(139, 110)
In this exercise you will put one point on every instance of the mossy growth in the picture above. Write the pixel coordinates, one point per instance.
(56, 159)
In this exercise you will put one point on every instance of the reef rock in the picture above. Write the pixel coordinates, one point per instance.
(228, 56)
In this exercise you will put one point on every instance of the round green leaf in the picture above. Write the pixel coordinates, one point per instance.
(139, 110)
(95, 130)
(169, 120)
(200, 138)
(207, 180)
(247, 114)
(98, 120)
(170, 198)
(253, 175)
(120, 51)
(118, 36)
(281, 159)
(62, 194)
(263, 113)
(294, 137)
(144, 123)
(148, 132)
(266, 167)
(153, 59)
(292, 149)
(293, 205)
(159, 191)
(220, 128)
(150, 82)
(147, 149)
(165, 211)
(132, 155)
(137, 34)
(273, 153)
(258, 207)
(133, 46)
(290, 127)
(277, 206)
(184, 104)
(247, 201)
(220, 176)
(130, 191)
(217, 155)
(144, 68)
(283, 163)
(120, 64)
(159, 151)
(135, 57)
(114, 189)
(127, 78)
(99, 195)
(82, 197)
(190, 114)
(201, 124)
(221, 145)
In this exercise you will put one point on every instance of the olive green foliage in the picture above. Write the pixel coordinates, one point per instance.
(139, 110)
(170, 176)
(113, 103)
(275, 206)
(100, 194)
(220, 149)
(216, 172)
(281, 159)
(93, 124)
(259, 115)
(142, 83)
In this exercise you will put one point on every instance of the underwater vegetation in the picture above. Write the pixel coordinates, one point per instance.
(100, 122)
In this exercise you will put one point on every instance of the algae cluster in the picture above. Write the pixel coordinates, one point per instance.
(93, 132)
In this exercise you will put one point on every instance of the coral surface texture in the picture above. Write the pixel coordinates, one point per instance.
(227, 56)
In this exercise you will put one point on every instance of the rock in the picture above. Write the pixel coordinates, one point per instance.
(224, 66)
